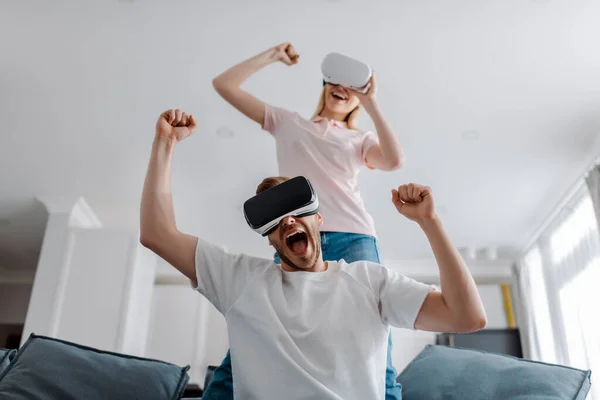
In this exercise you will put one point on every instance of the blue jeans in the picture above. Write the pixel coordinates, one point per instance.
(335, 246)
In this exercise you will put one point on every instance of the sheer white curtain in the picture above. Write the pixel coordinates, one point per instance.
(559, 283)
(593, 184)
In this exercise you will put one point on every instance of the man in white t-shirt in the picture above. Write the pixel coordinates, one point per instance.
(307, 329)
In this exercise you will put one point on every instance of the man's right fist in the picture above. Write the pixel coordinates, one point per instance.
(175, 125)
(285, 53)
(415, 202)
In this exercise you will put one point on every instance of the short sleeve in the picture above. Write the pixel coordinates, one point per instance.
(275, 118)
(223, 276)
(369, 140)
(400, 298)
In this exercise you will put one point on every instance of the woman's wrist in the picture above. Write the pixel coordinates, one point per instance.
(370, 105)
(270, 56)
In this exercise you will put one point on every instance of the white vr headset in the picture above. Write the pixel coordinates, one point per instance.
(295, 197)
(339, 69)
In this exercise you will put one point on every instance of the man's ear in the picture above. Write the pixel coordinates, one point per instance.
(320, 219)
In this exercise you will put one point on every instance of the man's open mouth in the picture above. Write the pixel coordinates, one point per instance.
(297, 242)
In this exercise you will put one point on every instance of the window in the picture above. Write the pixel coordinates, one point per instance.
(580, 223)
(575, 254)
(560, 282)
(579, 302)
(541, 311)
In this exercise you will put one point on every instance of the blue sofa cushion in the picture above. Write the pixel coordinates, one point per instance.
(441, 372)
(47, 368)
(6, 357)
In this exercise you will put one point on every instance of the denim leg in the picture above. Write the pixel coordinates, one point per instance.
(393, 389)
(349, 247)
(221, 385)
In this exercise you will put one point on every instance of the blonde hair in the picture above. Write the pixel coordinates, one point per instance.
(351, 119)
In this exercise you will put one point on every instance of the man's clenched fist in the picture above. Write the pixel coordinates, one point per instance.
(175, 125)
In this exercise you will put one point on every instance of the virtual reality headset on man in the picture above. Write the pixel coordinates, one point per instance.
(295, 197)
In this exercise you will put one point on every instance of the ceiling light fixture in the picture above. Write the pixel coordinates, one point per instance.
(470, 135)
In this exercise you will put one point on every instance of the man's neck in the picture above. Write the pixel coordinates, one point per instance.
(319, 266)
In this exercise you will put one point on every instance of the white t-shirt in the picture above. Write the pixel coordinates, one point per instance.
(307, 335)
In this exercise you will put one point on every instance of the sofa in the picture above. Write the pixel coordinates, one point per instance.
(48, 368)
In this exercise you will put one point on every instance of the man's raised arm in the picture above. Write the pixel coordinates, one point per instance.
(458, 307)
(158, 230)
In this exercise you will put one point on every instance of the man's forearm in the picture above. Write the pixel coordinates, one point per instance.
(390, 145)
(157, 200)
(458, 287)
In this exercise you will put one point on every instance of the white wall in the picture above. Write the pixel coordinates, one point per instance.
(14, 300)
(406, 344)
(93, 285)
(173, 325)
(105, 291)
(138, 302)
(186, 329)
(483, 271)
(493, 301)
(63, 214)
(42, 305)
(90, 306)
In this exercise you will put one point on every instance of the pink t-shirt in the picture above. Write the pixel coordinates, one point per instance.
(330, 156)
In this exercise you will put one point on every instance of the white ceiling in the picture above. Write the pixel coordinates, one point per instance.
(81, 84)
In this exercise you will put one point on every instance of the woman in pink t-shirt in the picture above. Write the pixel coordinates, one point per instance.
(329, 151)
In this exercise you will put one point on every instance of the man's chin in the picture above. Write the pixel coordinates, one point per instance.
(303, 262)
